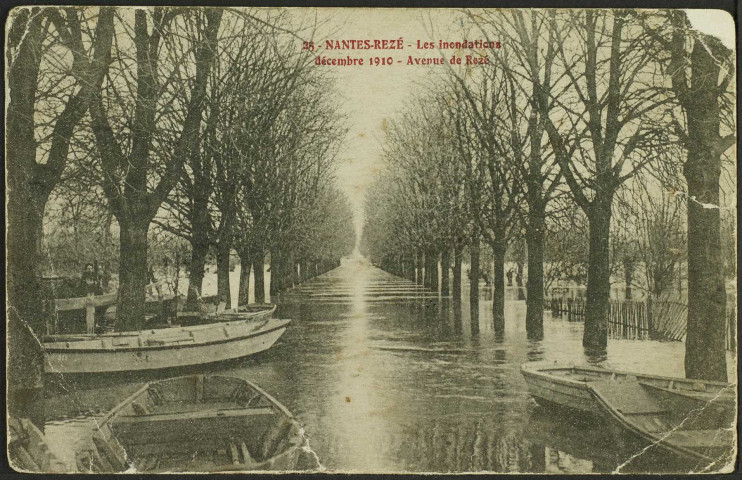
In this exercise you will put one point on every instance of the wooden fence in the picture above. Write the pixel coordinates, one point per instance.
(571, 307)
(629, 319)
(661, 320)
(66, 310)
(86, 304)
(669, 319)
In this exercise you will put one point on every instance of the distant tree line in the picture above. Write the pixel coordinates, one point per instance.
(599, 137)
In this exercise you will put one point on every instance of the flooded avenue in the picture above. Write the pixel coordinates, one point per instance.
(386, 376)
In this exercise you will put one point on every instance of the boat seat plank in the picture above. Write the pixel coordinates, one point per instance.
(186, 449)
(202, 425)
(159, 416)
(628, 397)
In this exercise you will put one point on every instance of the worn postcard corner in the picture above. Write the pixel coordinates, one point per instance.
(371, 240)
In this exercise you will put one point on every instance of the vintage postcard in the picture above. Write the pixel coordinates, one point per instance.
(371, 240)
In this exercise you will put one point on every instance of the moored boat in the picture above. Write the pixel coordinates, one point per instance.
(197, 423)
(255, 312)
(97, 313)
(691, 418)
(160, 348)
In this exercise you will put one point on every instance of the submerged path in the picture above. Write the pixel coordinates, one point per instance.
(386, 376)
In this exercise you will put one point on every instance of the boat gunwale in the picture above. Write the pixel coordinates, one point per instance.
(554, 379)
(283, 323)
(266, 309)
(81, 337)
(541, 369)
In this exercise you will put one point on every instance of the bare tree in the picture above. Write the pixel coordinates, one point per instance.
(32, 178)
(566, 245)
(653, 224)
(702, 69)
(495, 119)
(605, 127)
(531, 68)
(125, 119)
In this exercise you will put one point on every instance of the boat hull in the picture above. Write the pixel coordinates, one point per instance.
(566, 394)
(70, 360)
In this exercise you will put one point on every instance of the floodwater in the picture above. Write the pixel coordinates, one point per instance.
(386, 377)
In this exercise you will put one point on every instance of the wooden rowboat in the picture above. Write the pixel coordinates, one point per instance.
(252, 308)
(160, 348)
(197, 423)
(255, 312)
(690, 418)
(28, 451)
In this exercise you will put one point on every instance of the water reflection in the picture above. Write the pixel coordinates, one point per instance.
(386, 376)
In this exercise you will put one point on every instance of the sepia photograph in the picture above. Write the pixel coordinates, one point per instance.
(370, 240)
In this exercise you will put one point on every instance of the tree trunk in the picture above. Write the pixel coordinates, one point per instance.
(196, 274)
(26, 319)
(445, 267)
(474, 276)
(276, 281)
(222, 274)
(258, 267)
(426, 267)
(419, 267)
(535, 281)
(519, 274)
(243, 294)
(433, 270)
(498, 288)
(133, 275)
(23, 229)
(595, 336)
(705, 354)
(200, 226)
(290, 270)
(134, 205)
(29, 185)
(457, 257)
(411, 267)
(286, 272)
(105, 279)
(628, 271)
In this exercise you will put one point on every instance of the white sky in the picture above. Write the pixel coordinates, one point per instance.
(372, 94)
(714, 22)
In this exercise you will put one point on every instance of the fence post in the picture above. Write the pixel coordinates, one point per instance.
(50, 313)
(650, 324)
(90, 315)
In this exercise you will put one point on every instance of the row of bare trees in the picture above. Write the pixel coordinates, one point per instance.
(581, 110)
(208, 124)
